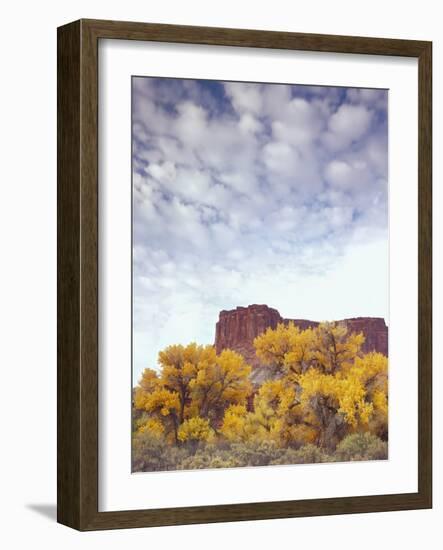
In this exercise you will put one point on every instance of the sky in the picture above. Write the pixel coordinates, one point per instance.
(254, 193)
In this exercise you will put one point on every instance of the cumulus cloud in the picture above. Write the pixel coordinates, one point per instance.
(346, 126)
(245, 192)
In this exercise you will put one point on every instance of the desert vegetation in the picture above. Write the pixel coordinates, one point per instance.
(321, 399)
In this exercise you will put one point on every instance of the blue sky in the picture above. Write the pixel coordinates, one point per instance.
(255, 193)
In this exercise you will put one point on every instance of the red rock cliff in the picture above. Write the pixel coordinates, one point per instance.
(237, 328)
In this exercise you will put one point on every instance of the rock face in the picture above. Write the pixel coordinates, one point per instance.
(237, 328)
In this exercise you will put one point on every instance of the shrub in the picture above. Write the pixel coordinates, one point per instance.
(202, 460)
(361, 446)
(235, 455)
(308, 454)
(150, 453)
(259, 453)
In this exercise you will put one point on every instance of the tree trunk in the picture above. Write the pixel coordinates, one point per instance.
(332, 425)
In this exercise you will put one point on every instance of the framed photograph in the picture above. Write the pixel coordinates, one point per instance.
(244, 275)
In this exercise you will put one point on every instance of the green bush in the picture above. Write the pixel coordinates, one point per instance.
(231, 456)
(361, 446)
(308, 454)
(152, 454)
(202, 460)
(255, 454)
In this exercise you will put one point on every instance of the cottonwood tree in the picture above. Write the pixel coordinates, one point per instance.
(221, 380)
(336, 389)
(320, 389)
(193, 382)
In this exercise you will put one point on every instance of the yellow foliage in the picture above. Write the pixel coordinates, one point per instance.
(234, 424)
(179, 368)
(149, 380)
(162, 401)
(162, 405)
(152, 426)
(372, 371)
(147, 384)
(287, 349)
(320, 388)
(220, 381)
(380, 402)
(273, 405)
(334, 348)
(299, 432)
(357, 392)
(273, 346)
(195, 429)
(299, 358)
(193, 382)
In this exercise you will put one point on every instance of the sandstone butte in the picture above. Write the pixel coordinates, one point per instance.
(237, 328)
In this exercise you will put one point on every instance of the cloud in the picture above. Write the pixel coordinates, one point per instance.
(347, 125)
(245, 193)
(245, 97)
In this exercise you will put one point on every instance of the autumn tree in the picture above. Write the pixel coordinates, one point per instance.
(371, 372)
(322, 398)
(334, 349)
(288, 349)
(277, 416)
(220, 381)
(354, 399)
(284, 348)
(335, 388)
(234, 426)
(179, 365)
(161, 405)
(193, 383)
(261, 424)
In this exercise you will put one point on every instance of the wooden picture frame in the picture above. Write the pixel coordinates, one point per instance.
(77, 456)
